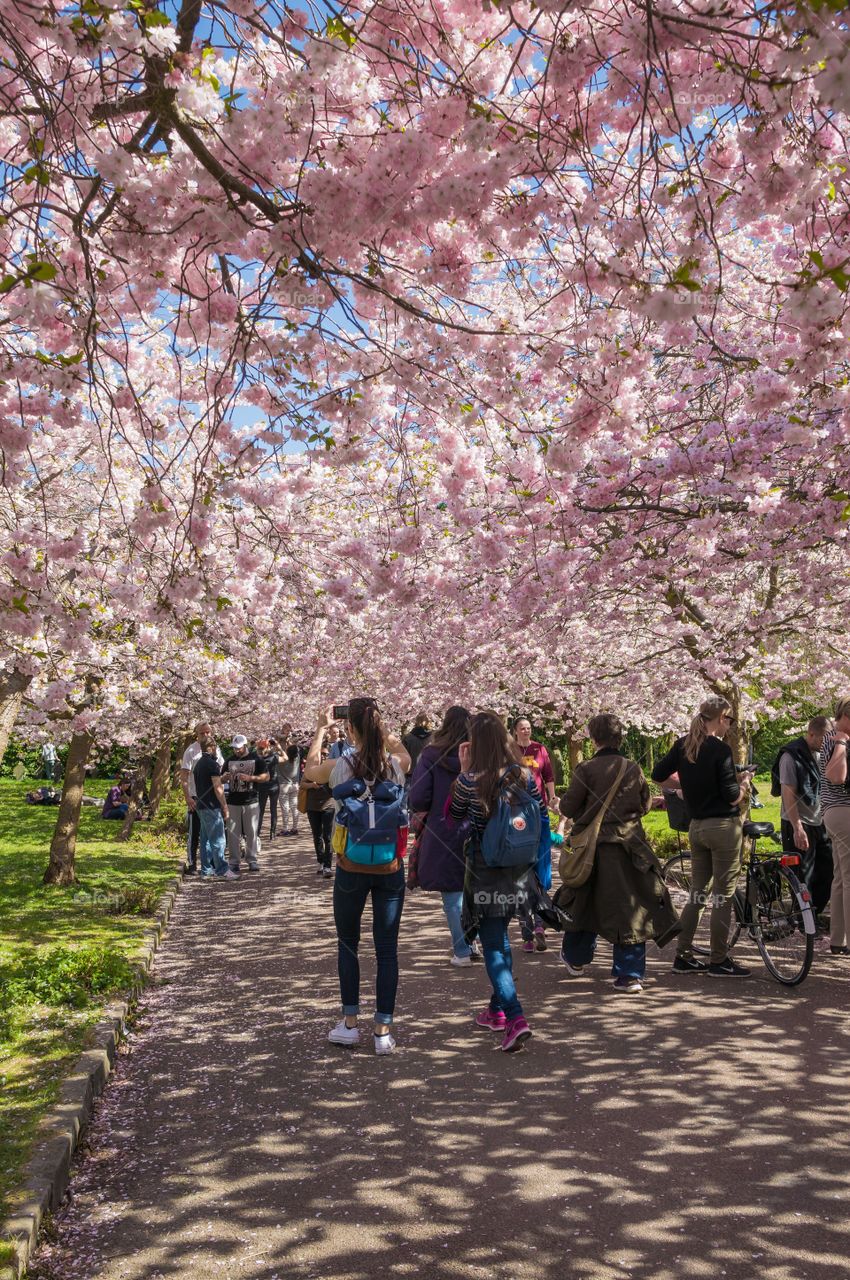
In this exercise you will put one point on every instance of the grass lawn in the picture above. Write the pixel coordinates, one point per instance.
(63, 950)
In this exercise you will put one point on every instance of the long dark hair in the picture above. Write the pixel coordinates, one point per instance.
(491, 752)
(453, 730)
(371, 759)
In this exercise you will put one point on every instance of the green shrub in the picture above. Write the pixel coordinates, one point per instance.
(69, 976)
(665, 844)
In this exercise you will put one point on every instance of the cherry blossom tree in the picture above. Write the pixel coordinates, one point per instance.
(448, 349)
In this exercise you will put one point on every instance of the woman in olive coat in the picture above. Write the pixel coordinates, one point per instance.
(624, 899)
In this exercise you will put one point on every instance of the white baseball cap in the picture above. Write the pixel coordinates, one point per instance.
(239, 741)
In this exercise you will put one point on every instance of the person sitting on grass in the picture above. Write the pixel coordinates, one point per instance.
(117, 802)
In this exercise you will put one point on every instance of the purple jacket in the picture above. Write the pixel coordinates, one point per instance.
(441, 862)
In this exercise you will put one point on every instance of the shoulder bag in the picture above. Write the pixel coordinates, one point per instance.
(577, 859)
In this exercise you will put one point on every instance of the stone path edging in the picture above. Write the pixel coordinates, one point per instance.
(49, 1166)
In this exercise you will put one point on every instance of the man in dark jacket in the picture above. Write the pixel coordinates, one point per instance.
(415, 740)
(796, 777)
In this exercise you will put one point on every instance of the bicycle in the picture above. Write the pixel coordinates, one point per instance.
(771, 907)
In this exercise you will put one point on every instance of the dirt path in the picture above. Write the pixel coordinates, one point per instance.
(699, 1131)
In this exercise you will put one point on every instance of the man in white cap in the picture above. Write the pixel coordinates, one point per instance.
(241, 773)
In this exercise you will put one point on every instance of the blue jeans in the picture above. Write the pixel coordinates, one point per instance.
(351, 889)
(493, 932)
(629, 960)
(453, 905)
(212, 842)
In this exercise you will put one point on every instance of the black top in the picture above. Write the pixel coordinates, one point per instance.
(206, 768)
(709, 784)
(241, 788)
(413, 743)
(268, 764)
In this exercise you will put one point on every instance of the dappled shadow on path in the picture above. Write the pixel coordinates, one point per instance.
(696, 1132)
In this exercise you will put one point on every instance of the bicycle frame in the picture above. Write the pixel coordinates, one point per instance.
(757, 869)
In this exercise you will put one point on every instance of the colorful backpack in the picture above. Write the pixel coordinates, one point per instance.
(371, 814)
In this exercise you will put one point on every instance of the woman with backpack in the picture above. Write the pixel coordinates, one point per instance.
(368, 780)
(505, 811)
(440, 857)
(623, 899)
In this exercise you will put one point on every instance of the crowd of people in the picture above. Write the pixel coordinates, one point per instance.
(471, 811)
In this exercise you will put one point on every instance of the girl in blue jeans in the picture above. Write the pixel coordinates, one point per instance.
(376, 756)
(493, 894)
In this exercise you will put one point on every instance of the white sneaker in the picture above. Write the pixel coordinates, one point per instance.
(230, 874)
(384, 1044)
(574, 970)
(341, 1034)
(462, 962)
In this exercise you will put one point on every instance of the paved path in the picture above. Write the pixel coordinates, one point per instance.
(700, 1131)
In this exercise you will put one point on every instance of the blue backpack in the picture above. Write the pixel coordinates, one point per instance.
(371, 813)
(512, 835)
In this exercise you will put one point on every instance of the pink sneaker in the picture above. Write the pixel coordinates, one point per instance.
(528, 945)
(492, 1021)
(517, 1031)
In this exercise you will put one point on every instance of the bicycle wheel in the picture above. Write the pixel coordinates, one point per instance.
(677, 878)
(784, 924)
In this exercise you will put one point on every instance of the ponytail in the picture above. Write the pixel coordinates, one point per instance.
(697, 734)
(371, 759)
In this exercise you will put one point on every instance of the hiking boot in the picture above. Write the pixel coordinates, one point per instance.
(341, 1034)
(229, 874)
(688, 964)
(517, 1031)
(628, 986)
(728, 969)
(492, 1021)
(539, 939)
(190, 868)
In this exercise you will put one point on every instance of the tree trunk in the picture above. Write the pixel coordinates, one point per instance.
(60, 869)
(738, 736)
(576, 753)
(12, 690)
(135, 806)
(161, 775)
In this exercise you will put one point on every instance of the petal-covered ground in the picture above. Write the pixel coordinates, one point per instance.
(698, 1131)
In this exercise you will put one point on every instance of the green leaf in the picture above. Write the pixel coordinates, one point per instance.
(42, 271)
(7, 283)
(156, 18)
(682, 276)
(336, 29)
